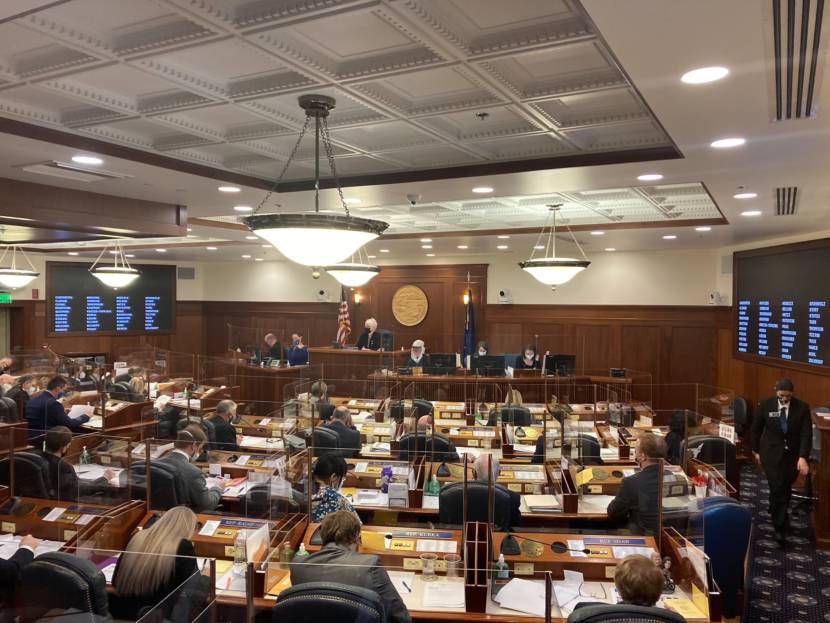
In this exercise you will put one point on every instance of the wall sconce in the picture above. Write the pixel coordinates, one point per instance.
(466, 297)
(357, 298)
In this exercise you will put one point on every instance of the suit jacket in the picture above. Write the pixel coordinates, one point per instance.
(297, 356)
(335, 563)
(372, 343)
(636, 500)
(43, 412)
(768, 440)
(275, 352)
(521, 365)
(198, 496)
(20, 396)
(225, 434)
(10, 574)
(349, 438)
(411, 363)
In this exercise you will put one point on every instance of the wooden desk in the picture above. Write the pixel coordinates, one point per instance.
(265, 387)
(348, 368)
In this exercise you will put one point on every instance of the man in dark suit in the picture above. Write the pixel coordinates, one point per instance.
(20, 392)
(198, 494)
(782, 437)
(63, 482)
(370, 338)
(274, 350)
(339, 561)
(349, 437)
(487, 464)
(636, 499)
(10, 571)
(225, 433)
(44, 411)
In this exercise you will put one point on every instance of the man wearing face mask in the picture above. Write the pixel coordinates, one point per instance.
(199, 494)
(782, 436)
(636, 499)
(417, 357)
(44, 411)
(297, 353)
(63, 481)
(21, 391)
(226, 437)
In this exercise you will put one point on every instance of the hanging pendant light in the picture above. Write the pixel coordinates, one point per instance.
(355, 273)
(315, 238)
(13, 276)
(551, 270)
(120, 274)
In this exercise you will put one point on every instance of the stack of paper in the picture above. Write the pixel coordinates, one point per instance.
(445, 594)
(541, 503)
(78, 411)
(524, 596)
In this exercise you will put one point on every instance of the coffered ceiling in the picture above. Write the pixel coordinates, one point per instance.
(420, 84)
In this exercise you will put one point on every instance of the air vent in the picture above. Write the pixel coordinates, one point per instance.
(786, 200)
(185, 272)
(796, 39)
(69, 171)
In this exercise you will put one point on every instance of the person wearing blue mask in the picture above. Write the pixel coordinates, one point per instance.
(43, 411)
(298, 352)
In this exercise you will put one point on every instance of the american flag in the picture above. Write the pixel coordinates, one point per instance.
(344, 325)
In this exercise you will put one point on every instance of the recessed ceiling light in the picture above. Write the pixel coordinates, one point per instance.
(352, 201)
(724, 143)
(539, 247)
(246, 257)
(251, 237)
(130, 255)
(426, 239)
(87, 160)
(113, 252)
(242, 208)
(649, 177)
(258, 259)
(161, 250)
(702, 75)
(229, 189)
(751, 213)
(502, 237)
(426, 246)
(482, 190)
(597, 233)
(745, 195)
(371, 257)
(211, 248)
(266, 246)
(430, 254)
(463, 246)
(703, 228)
(669, 237)
(384, 250)
(610, 249)
(502, 246)
(74, 253)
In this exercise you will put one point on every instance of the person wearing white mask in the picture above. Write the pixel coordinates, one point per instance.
(483, 349)
(529, 359)
(370, 338)
(417, 355)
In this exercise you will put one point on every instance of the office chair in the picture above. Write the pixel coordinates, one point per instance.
(437, 447)
(325, 441)
(804, 498)
(324, 410)
(165, 491)
(728, 528)
(66, 583)
(8, 410)
(31, 475)
(740, 412)
(387, 341)
(258, 503)
(716, 451)
(589, 449)
(623, 613)
(451, 504)
(120, 390)
(516, 415)
(328, 601)
(422, 407)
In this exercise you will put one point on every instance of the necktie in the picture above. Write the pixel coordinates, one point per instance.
(784, 420)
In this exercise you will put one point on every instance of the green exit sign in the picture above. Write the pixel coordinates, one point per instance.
(5, 298)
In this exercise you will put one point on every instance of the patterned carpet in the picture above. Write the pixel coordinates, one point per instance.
(792, 586)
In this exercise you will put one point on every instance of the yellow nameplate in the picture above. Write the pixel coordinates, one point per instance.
(595, 489)
(412, 564)
(68, 534)
(473, 443)
(229, 551)
(275, 433)
(610, 571)
(7, 526)
(105, 460)
(523, 568)
(441, 566)
(239, 429)
(515, 486)
(584, 476)
(530, 488)
(402, 545)
(486, 443)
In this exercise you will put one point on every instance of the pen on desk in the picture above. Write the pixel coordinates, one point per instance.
(406, 586)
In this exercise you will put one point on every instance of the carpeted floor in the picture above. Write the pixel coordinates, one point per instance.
(792, 586)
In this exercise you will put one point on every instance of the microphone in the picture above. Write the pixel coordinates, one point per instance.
(510, 547)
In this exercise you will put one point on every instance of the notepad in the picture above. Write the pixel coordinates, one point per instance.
(541, 503)
(444, 594)
(78, 411)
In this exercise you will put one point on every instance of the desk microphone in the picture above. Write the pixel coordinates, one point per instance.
(510, 547)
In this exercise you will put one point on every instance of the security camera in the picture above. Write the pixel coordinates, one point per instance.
(315, 274)
(413, 198)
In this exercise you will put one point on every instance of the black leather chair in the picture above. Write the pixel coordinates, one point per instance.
(9, 411)
(718, 452)
(57, 581)
(740, 411)
(31, 475)
(589, 449)
(325, 440)
(451, 504)
(120, 390)
(623, 613)
(387, 340)
(258, 503)
(324, 410)
(165, 487)
(422, 407)
(516, 415)
(327, 601)
(435, 447)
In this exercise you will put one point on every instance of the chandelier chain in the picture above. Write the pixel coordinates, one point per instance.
(285, 167)
(330, 156)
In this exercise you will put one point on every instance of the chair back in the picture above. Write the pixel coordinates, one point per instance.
(726, 536)
(9, 411)
(328, 601)
(166, 488)
(436, 447)
(324, 410)
(740, 411)
(589, 449)
(31, 475)
(516, 415)
(64, 582)
(451, 504)
(717, 452)
(422, 407)
(623, 613)
(387, 339)
(325, 440)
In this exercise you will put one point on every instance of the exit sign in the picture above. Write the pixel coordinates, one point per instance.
(5, 298)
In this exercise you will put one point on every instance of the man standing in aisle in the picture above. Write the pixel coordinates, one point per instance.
(782, 435)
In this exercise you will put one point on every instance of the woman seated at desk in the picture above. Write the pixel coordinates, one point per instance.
(329, 473)
(529, 359)
(297, 354)
(370, 338)
(417, 355)
(157, 561)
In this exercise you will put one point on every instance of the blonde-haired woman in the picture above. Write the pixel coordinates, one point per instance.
(137, 389)
(157, 561)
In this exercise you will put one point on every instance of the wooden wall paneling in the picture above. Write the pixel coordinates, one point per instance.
(594, 340)
(692, 359)
(501, 337)
(640, 350)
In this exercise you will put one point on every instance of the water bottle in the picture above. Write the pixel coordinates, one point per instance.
(502, 569)
(240, 558)
(85, 458)
(301, 554)
(385, 479)
(286, 555)
(434, 487)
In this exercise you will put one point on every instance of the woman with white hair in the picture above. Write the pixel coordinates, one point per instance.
(370, 338)
(417, 355)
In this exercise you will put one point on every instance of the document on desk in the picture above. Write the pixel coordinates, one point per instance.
(80, 410)
(210, 527)
(594, 503)
(526, 596)
(95, 421)
(621, 552)
(576, 547)
(55, 514)
(403, 581)
(524, 448)
(430, 501)
(445, 594)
